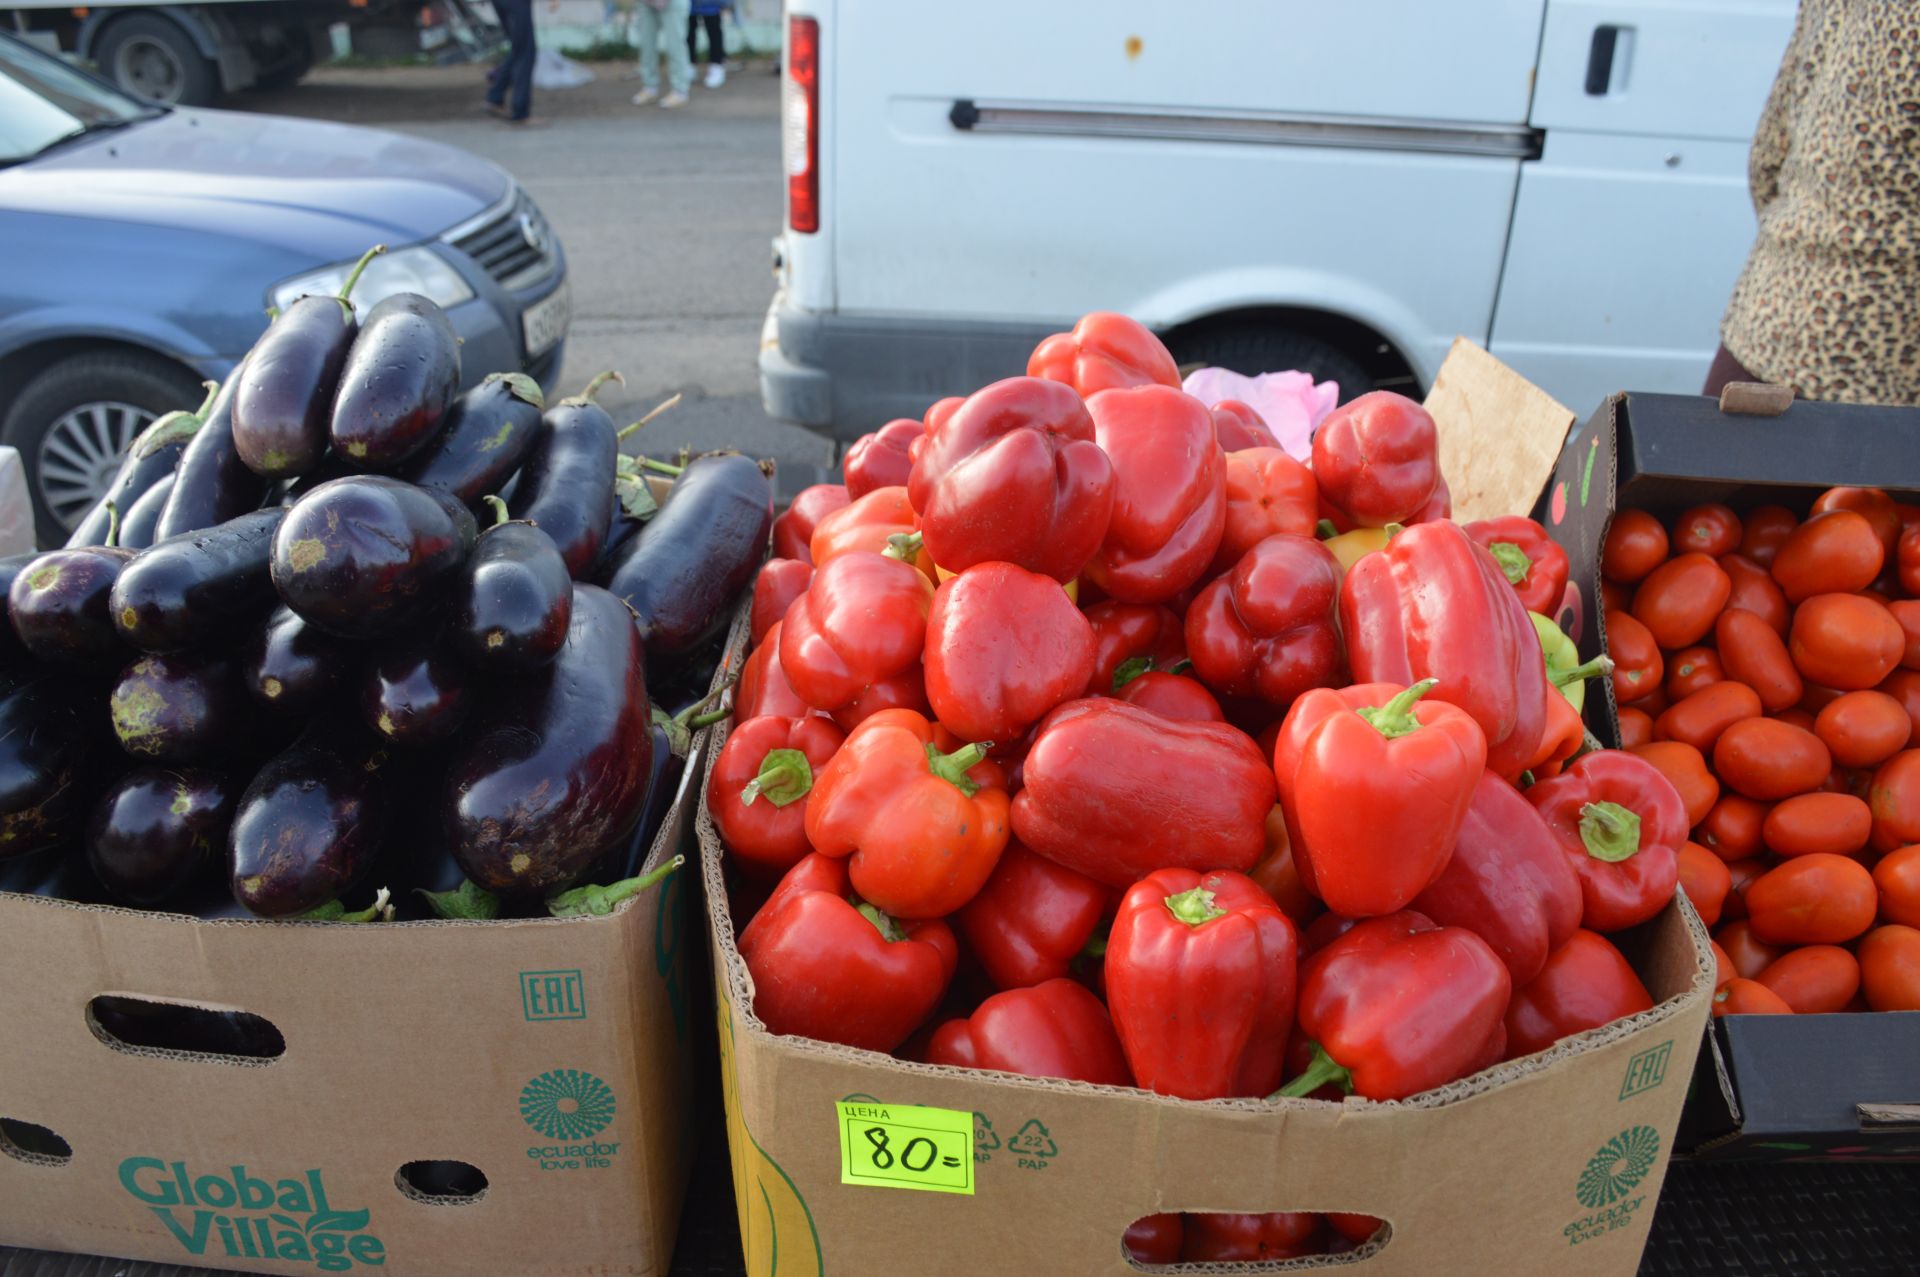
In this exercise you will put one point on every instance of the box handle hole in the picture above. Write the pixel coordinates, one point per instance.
(31, 1142)
(1174, 1240)
(441, 1182)
(137, 1024)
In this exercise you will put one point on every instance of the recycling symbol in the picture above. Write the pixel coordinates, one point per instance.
(1033, 1140)
(984, 1140)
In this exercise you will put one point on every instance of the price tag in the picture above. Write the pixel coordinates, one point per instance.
(905, 1146)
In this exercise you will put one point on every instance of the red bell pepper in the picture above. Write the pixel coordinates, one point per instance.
(1102, 352)
(880, 521)
(1171, 696)
(1268, 492)
(763, 689)
(1225, 1237)
(1565, 736)
(905, 690)
(1377, 459)
(1116, 792)
(759, 785)
(793, 530)
(1620, 822)
(880, 460)
(830, 966)
(1277, 875)
(1507, 881)
(1376, 783)
(1438, 506)
(1585, 983)
(1032, 919)
(862, 620)
(1399, 1005)
(1530, 559)
(780, 582)
(1013, 475)
(1155, 1239)
(924, 828)
(1266, 628)
(1137, 636)
(1054, 1029)
(1170, 495)
(1237, 426)
(1432, 604)
(1004, 646)
(1200, 977)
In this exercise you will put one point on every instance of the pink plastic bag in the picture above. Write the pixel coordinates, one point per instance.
(1291, 403)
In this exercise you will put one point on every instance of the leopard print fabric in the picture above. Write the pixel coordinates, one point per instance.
(1829, 302)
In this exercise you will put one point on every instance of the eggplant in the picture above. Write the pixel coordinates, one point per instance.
(365, 555)
(414, 695)
(620, 534)
(13, 653)
(57, 873)
(180, 707)
(310, 825)
(136, 529)
(688, 566)
(566, 486)
(293, 668)
(330, 467)
(211, 484)
(58, 605)
(156, 832)
(512, 604)
(555, 772)
(284, 402)
(401, 376)
(150, 459)
(43, 765)
(488, 432)
(189, 590)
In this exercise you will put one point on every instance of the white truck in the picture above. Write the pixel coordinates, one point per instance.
(1268, 183)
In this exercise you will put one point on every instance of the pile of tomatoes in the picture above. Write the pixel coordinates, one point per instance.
(1769, 665)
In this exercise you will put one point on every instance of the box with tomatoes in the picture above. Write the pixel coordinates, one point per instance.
(1136, 844)
(1755, 582)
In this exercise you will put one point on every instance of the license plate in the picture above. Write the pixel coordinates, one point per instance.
(545, 322)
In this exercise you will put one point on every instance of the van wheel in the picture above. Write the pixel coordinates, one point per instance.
(1251, 350)
(151, 57)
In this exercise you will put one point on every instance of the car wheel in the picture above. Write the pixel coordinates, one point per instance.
(152, 57)
(1254, 349)
(73, 421)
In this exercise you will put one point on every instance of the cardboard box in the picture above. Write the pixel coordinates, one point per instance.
(551, 1054)
(1552, 1163)
(1813, 1087)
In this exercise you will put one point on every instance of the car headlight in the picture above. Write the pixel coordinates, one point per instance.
(410, 270)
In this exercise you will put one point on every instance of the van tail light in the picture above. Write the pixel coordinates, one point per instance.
(800, 124)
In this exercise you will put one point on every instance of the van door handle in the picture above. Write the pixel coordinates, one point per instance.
(1600, 59)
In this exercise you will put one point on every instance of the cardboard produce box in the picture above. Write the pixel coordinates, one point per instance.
(1816, 1087)
(550, 1055)
(1551, 1163)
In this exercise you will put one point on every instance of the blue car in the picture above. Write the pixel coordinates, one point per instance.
(144, 245)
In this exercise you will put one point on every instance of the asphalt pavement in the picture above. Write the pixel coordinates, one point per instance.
(666, 216)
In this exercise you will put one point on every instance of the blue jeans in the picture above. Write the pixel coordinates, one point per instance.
(516, 73)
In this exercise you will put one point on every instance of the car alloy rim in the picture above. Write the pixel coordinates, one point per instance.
(80, 453)
(150, 69)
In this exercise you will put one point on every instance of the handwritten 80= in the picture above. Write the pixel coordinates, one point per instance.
(906, 1146)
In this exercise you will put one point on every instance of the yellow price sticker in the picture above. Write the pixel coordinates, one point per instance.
(906, 1146)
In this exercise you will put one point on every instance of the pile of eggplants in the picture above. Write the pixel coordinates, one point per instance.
(304, 662)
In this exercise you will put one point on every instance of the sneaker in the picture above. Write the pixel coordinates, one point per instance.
(673, 100)
(716, 74)
(646, 97)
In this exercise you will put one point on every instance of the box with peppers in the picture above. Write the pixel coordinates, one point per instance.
(1756, 584)
(1193, 849)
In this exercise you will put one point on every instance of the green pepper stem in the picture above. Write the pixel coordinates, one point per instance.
(953, 767)
(1394, 529)
(499, 509)
(890, 930)
(1320, 1072)
(1609, 831)
(113, 524)
(353, 277)
(1396, 719)
(785, 776)
(1512, 560)
(1325, 530)
(658, 409)
(599, 901)
(1131, 668)
(905, 546)
(1194, 907)
(1598, 667)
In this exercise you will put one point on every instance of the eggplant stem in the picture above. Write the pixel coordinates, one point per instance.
(661, 467)
(499, 509)
(346, 289)
(672, 402)
(113, 524)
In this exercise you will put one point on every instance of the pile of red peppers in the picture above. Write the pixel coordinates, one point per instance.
(1087, 734)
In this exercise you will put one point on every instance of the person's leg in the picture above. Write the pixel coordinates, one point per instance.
(716, 42)
(646, 21)
(525, 53)
(693, 27)
(679, 65)
(500, 79)
(1725, 368)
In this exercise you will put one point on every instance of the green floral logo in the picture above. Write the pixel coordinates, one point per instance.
(1618, 1167)
(567, 1104)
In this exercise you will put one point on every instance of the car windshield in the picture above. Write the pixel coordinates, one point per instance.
(44, 102)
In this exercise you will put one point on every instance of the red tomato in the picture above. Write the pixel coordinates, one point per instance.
(1837, 824)
(1700, 718)
(1895, 799)
(1863, 729)
(1906, 613)
(1654, 703)
(1904, 687)
(1679, 600)
(1844, 641)
(1754, 590)
(1890, 968)
(1766, 530)
(1871, 504)
(1833, 553)
(1813, 980)
(1722, 965)
(1637, 665)
(1704, 877)
(1615, 597)
(1635, 545)
(1710, 529)
(1691, 669)
(1897, 878)
(1767, 759)
(1686, 769)
(1747, 997)
(1754, 654)
(1907, 559)
(1731, 830)
(1814, 697)
(1814, 899)
(1636, 728)
(1798, 717)
(1748, 955)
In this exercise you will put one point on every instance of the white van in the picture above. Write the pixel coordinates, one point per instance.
(1336, 185)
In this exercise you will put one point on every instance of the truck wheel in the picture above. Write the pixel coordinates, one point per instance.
(1253, 349)
(72, 422)
(289, 73)
(152, 57)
